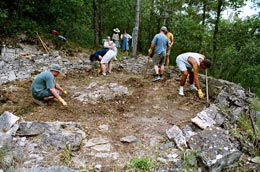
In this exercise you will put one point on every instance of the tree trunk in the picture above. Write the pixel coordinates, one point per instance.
(165, 13)
(96, 23)
(136, 28)
(214, 58)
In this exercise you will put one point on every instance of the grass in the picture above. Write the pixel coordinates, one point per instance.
(189, 160)
(66, 154)
(143, 164)
(3, 152)
(245, 129)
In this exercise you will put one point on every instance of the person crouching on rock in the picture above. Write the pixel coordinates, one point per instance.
(44, 88)
(189, 64)
(105, 56)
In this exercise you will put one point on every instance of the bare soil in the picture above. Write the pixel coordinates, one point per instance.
(152, 108)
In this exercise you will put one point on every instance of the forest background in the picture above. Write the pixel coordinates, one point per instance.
(231, 43)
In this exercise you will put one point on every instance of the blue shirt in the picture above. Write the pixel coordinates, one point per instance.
(43, 81)
(161, 42)
(100, 53)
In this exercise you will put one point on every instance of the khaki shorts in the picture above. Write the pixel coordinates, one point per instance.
(158, 59)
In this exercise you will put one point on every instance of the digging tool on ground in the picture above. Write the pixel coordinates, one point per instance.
(43, 44)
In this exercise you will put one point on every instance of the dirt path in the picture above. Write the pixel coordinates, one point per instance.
(146, 113)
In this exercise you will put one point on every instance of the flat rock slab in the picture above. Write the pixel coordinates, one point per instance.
(214, 148)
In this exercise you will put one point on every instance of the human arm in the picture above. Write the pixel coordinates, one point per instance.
(108, 45)
(55, 94)
(195, 67)
(58, 87)
(196, 76)
(172, 40)
(150, 51)
(129, 36)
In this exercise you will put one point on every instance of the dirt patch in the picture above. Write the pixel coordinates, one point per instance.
(152, 108)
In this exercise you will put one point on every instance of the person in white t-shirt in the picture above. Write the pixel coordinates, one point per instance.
(189, 64)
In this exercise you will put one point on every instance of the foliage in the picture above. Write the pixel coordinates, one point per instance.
(189, 160)
(143, 164)
(255, 104)
(66, 154)
(246, 130)
(3, 151)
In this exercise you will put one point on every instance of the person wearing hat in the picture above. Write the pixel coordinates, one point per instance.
(189, 64)
(115, 37)
(44, 88)
(160, 44)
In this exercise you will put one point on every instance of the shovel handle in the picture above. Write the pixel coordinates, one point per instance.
(207, 86)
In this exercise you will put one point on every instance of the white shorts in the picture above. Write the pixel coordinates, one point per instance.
(108, 56)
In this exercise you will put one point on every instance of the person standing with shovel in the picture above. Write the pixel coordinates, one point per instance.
(189, 64)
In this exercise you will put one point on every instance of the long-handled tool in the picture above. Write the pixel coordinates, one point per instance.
(43, 44)
(207, 86)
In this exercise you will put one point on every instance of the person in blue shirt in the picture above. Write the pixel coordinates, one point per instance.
(97, 56)
(160, 44)
(44, 88)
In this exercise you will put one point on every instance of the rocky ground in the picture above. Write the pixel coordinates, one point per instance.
(148, 110)
(124, 103)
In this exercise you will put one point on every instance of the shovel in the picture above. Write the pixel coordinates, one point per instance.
(207, 87)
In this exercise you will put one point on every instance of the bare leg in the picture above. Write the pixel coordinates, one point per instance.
(167, 60)
(161, 69)
(183, 77)
(109, 66)
(103, 67)
(156, 69)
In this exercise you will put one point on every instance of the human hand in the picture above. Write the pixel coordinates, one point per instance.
(62, 101)
(200, 94)
(150, 51)
(65, 92)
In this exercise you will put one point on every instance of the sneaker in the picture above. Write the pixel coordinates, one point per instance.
(161, 77)
(38, 102)
(193, 87)
(108, 72)
(156, 78)
(181, 93)
(104, 74)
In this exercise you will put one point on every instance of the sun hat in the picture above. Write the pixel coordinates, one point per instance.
(55, 67)
(163, 28)
(116, 30)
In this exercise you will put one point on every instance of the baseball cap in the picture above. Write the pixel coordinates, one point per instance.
(163, 28)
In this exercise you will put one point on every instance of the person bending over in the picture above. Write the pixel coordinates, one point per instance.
(189, 64)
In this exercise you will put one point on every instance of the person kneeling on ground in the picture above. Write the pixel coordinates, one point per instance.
(105, 56)
(189, 64)
(44, 88)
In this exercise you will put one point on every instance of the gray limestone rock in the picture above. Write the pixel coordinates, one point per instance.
(175, 134)
(214, 148)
